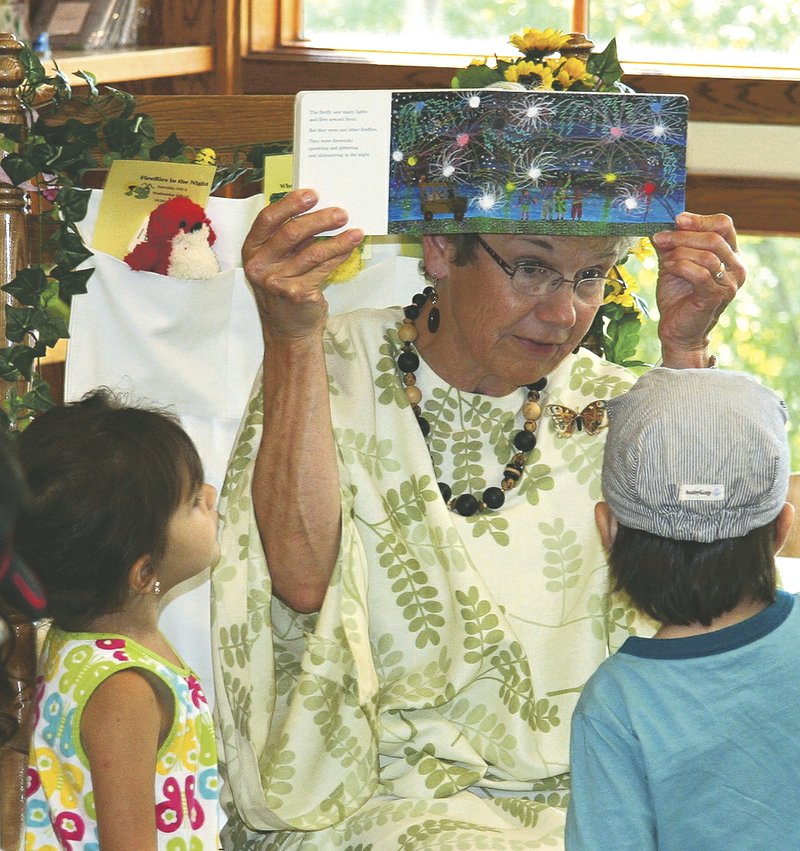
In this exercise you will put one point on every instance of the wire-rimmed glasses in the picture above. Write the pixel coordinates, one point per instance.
(531, 279)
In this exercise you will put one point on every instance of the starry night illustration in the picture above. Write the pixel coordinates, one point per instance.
(536, 162)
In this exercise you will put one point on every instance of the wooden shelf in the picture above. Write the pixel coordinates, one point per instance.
(138, 63)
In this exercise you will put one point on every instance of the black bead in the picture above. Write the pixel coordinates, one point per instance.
(467, 505)
(419, 299)
(411, 312)
(445, 491)
(408, 361)
(424, 426)
(493, 497)
(433, 320)
(537, 385)
(524, 440)
(428, 292)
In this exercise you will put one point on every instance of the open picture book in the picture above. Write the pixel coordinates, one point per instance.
(457, 160)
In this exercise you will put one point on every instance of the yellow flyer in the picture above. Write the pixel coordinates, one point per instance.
(133, 189)
(277, 176)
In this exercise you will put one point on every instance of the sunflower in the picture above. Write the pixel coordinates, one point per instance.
(543, 67)
(625, 295)
(538, 43)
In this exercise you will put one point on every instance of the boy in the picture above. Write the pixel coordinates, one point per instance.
(691, 739)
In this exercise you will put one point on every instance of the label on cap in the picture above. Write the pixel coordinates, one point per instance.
(702, 493)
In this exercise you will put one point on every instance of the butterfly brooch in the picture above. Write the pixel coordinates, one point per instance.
(591, 419)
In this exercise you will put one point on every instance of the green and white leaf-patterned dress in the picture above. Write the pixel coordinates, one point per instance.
(427, 705)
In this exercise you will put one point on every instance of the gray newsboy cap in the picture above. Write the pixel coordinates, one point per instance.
(696, 454)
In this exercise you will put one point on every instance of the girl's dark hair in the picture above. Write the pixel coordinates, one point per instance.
(105, 479)
(684, 582)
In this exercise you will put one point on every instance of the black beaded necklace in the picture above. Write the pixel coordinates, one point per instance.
(524, 440)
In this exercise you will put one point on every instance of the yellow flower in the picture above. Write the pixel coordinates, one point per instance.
(349, 269)
(624, 296)
(574, 67)
(539, 41)
(534, 74)
(568, 72)
(644, 249)
(564, 79)
(546, 78)
(521, 69)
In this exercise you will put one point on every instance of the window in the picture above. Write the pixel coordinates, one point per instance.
(755, 33)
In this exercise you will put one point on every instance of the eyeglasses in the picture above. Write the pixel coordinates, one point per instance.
(536, 281)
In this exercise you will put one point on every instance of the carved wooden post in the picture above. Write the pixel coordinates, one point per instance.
(13, 230)
(20, 665)
(578, 45)
(20, 668)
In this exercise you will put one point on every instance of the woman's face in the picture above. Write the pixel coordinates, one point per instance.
(493, 339)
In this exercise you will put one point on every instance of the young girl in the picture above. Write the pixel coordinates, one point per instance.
(123, 751)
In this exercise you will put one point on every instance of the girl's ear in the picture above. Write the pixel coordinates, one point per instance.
(142, 575)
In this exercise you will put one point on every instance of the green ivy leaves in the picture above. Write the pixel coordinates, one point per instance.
(69, 133)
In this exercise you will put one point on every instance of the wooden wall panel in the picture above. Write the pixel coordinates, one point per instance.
(729, 99)
(220, 120)
(182, 22)
(757, 205)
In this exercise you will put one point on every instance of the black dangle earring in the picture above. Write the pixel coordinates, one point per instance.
(428, 294)
(433, 314)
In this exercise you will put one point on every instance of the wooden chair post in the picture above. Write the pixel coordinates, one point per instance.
(20, 669)
(19, 656)
(13, 201)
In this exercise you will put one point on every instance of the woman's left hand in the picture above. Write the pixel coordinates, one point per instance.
(699, 273)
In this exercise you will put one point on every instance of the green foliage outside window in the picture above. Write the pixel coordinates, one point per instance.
(702, 30)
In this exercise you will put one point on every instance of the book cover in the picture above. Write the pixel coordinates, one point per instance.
(133, 189)
(495, 160)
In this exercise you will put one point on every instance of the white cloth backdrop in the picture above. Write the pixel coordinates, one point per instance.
(194, 347)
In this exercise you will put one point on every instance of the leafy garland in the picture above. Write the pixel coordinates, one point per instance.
(69, 133)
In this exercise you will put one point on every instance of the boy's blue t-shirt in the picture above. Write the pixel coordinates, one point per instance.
(692, 743)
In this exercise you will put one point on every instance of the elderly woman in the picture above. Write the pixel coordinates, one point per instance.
(412, 592)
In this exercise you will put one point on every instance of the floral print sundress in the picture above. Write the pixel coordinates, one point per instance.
(60, 811)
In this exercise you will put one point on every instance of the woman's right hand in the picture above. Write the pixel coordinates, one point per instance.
(287, 266)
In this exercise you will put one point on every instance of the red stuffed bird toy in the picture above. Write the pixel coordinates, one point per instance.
(177, 243)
